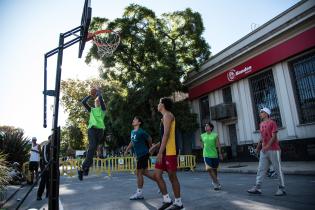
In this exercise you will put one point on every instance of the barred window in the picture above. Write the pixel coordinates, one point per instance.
(204, 112)
(264, 95)
(303, 77)
(227, 95)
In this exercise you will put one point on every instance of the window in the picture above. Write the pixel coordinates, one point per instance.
(303, 77)
(227, 95)
(264, 95)
(204, 112)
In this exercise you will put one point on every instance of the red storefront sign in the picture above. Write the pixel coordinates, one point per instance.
(293, 46)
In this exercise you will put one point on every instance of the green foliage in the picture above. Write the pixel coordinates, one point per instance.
(154, 52)
(4, 173)
(187, 122)
(74, 135)
(15, 145)
(73, 91)
(71, 140)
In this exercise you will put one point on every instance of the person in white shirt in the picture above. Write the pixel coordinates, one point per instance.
(34, 159)
(44, 168)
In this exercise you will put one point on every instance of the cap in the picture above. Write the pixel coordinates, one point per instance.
(265, 109)
(34, 139)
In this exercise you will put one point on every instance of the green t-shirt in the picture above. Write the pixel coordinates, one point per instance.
(209, 145)
(139, 140)
(97, 116)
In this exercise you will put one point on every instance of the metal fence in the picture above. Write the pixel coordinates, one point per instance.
(113, 165)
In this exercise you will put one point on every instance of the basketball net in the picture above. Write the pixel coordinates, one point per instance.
(106, 42)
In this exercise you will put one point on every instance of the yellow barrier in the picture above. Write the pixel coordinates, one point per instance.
(26, 171)
(183, 162)
(108, 165)
(186, 161)
(69, 167)
(121, 164)
(114, 164)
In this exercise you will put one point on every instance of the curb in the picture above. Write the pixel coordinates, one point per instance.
(254, 171)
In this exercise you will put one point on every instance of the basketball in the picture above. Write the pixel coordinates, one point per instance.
(93, 92)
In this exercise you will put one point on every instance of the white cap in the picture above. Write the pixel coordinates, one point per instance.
(265, 109)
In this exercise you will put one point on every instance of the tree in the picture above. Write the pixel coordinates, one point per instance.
(152, 60)
(73, 91)
(72, 139)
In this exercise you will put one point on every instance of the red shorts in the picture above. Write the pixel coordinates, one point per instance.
(169, 163)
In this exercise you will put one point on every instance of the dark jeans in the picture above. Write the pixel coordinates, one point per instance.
(95, 135)
(44, 182)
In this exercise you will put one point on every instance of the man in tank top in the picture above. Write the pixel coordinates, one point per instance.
(34, 159)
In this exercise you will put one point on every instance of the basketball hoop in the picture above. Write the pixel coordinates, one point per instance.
(106, 42)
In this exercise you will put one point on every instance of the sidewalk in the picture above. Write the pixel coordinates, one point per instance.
(288, 167)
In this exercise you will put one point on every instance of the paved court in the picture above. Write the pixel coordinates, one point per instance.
(113, 193)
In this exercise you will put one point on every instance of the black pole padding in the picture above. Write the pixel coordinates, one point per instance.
(53, 203)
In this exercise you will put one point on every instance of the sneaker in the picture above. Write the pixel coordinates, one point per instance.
(273, 174)
(280, 192)
(165, 205)
(136, 196)
(175, 207)
(254, 190)
(217, 187)
(80, 175)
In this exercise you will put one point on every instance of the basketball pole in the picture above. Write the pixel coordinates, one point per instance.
(53, 201)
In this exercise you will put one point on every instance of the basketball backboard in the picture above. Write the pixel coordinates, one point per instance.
(85, 24)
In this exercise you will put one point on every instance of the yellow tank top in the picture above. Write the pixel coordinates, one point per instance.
(171, 143)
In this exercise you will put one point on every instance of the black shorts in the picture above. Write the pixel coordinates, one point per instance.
(33, 166)
(142, 162)
(211, 163)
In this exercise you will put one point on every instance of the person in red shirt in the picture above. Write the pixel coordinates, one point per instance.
(270, 153)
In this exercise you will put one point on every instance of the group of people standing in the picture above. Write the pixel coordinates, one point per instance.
(142, 144)
(166, 149)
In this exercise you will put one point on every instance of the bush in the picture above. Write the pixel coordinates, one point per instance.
(5, 178)
(14, 145)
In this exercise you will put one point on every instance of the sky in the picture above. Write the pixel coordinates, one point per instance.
(31, 28)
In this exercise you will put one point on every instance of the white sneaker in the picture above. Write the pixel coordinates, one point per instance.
(254, 190)
(280, 192)
(137, 196)
(216, 186)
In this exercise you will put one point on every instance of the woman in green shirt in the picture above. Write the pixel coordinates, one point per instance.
(95, 128)
(210, 141)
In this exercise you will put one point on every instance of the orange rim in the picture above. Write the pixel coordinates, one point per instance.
(92, 35)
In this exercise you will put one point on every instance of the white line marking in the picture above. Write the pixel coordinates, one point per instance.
(60, 205)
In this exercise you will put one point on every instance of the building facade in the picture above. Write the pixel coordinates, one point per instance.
(273, 66)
